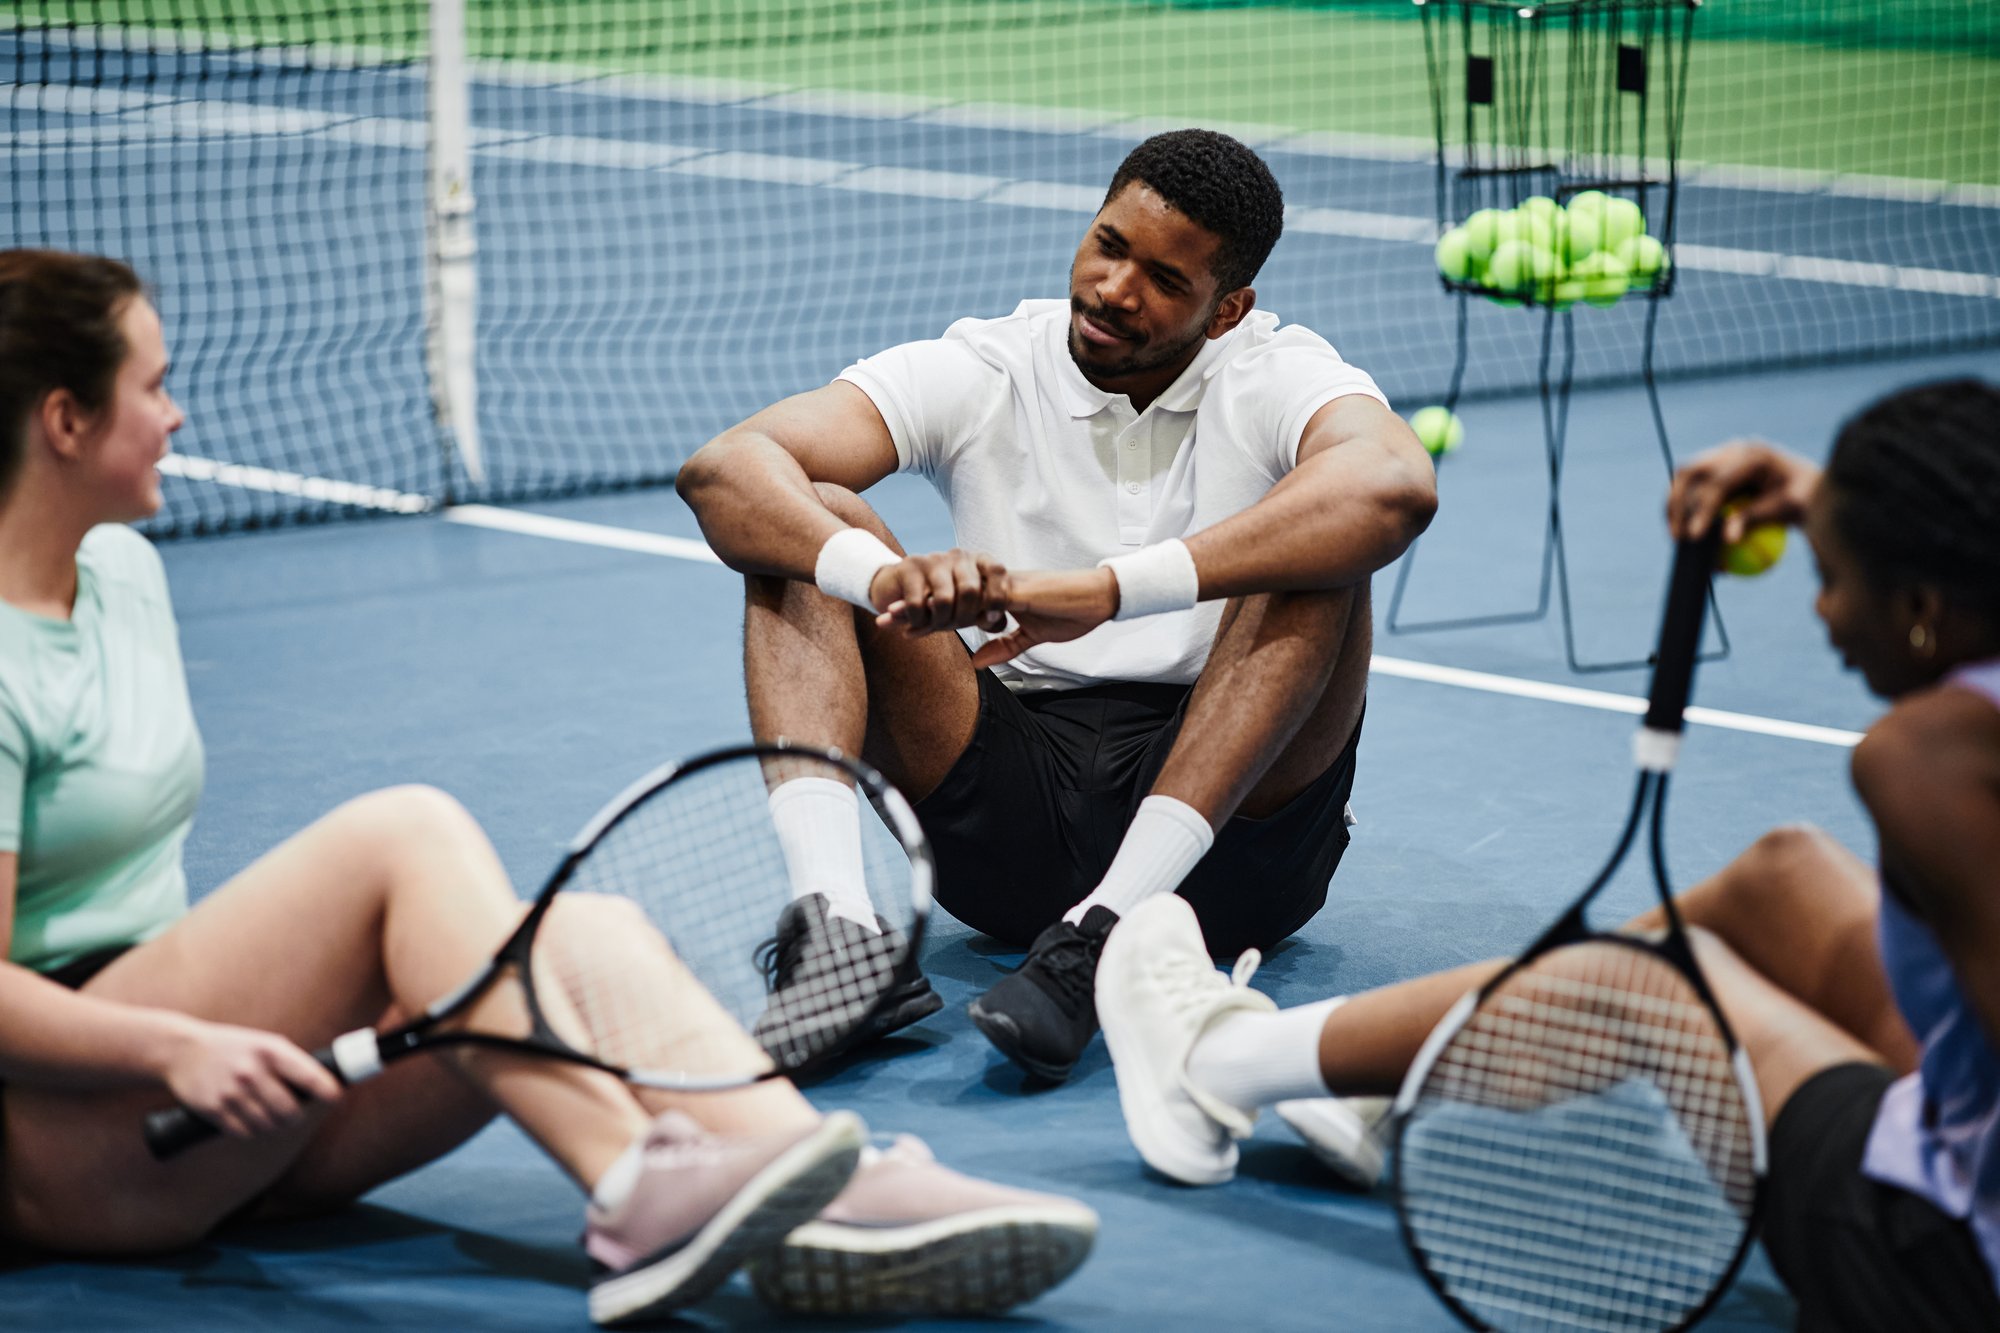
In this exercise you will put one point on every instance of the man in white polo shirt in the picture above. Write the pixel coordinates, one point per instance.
(1179, 504)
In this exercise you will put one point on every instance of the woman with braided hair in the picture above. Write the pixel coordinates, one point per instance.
(1867, 1000)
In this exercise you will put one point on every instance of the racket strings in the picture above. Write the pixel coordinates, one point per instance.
(1580, 1154)
(701, 861)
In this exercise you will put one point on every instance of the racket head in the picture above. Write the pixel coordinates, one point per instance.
(1580, 1145)
(690, 883)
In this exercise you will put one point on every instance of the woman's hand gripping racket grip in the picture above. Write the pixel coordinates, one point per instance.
(1680, 633)
(171, 1132)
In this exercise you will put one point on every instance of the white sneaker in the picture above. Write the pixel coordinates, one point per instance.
(1343, 1132)
(1157, 992)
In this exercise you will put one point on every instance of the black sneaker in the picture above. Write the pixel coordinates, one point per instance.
(1042, 1015)
(804, 965)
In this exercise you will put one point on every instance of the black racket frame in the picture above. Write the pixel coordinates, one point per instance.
(175, 1129)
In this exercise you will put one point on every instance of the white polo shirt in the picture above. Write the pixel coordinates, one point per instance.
(1043, 470)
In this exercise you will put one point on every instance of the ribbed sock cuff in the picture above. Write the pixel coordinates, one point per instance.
(1165, 840)
(1251, 1060)
(818, 821)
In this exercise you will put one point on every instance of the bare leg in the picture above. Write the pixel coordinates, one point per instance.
(1800, 910)
(1279, 698)
(818, 670)
(389, 901)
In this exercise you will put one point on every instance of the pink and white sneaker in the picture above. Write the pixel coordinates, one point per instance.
(684, 1209)
(908, 1236)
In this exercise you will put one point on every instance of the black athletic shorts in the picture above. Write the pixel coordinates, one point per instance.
(1026, 822)
(1858, 1255)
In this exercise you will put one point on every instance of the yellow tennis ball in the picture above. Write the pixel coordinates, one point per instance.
(1604, 278)
(1645, 257)
(1761, 547)
(1539, 207)
(1621, 221)
(1439, 429)
(1483, 232)
(1454, 255)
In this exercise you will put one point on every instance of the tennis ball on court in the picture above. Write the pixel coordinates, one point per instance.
(1439, 429)
(1454, 255)
(1760, 548)
(1645, 258)
(1622, 221)
(1604, 278)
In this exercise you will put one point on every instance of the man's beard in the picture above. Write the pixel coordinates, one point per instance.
(1143, 359)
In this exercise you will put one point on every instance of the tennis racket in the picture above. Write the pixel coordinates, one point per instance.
(678, 944)
(1579, 1143)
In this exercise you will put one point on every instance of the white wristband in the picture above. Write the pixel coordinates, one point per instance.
(848, 563)
(1154, 579)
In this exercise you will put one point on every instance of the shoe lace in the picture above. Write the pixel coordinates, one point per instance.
(1192, 984)
(1069, 964)
(778, 957)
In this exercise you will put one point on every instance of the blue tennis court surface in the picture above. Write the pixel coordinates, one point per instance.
(532, 677)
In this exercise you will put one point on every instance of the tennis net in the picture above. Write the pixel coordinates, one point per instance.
(684, 211)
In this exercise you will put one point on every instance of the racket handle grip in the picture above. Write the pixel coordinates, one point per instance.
(171, 1132)
(1680, 632)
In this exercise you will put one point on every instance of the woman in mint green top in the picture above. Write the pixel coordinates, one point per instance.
(116, 999)
(100, 763)
(381, 906)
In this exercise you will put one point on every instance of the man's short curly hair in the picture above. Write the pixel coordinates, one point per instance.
(1222, 186)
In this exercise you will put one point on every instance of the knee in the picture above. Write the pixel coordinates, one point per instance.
(412, 809)
(1773, 870)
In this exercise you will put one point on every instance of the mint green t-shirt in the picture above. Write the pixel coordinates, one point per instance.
(100, 762)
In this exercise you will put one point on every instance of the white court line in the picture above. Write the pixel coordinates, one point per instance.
(142, 117)
(684, 548)
(589, 534)
(273, 482)
(592, 80)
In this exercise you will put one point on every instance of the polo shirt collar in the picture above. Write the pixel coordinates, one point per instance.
(1084, 399)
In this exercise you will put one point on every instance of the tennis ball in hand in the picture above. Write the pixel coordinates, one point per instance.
(1645, 259)
(1439, 429)
(1622, 221)
(1760, 548)
(1454, 255)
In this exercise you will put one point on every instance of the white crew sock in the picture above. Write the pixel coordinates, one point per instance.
(819, 827)
(1251, 1060)
(1164, 841)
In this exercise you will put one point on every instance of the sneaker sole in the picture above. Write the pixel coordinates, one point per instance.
(899, 1014)
(1005, 1035)
(979, 1264)
(792, 1189)
(1340, 1137)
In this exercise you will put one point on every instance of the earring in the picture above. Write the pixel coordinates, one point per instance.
(1922, 641)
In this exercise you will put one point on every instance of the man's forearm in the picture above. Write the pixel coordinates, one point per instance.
(757, 508)
(1330, 523)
